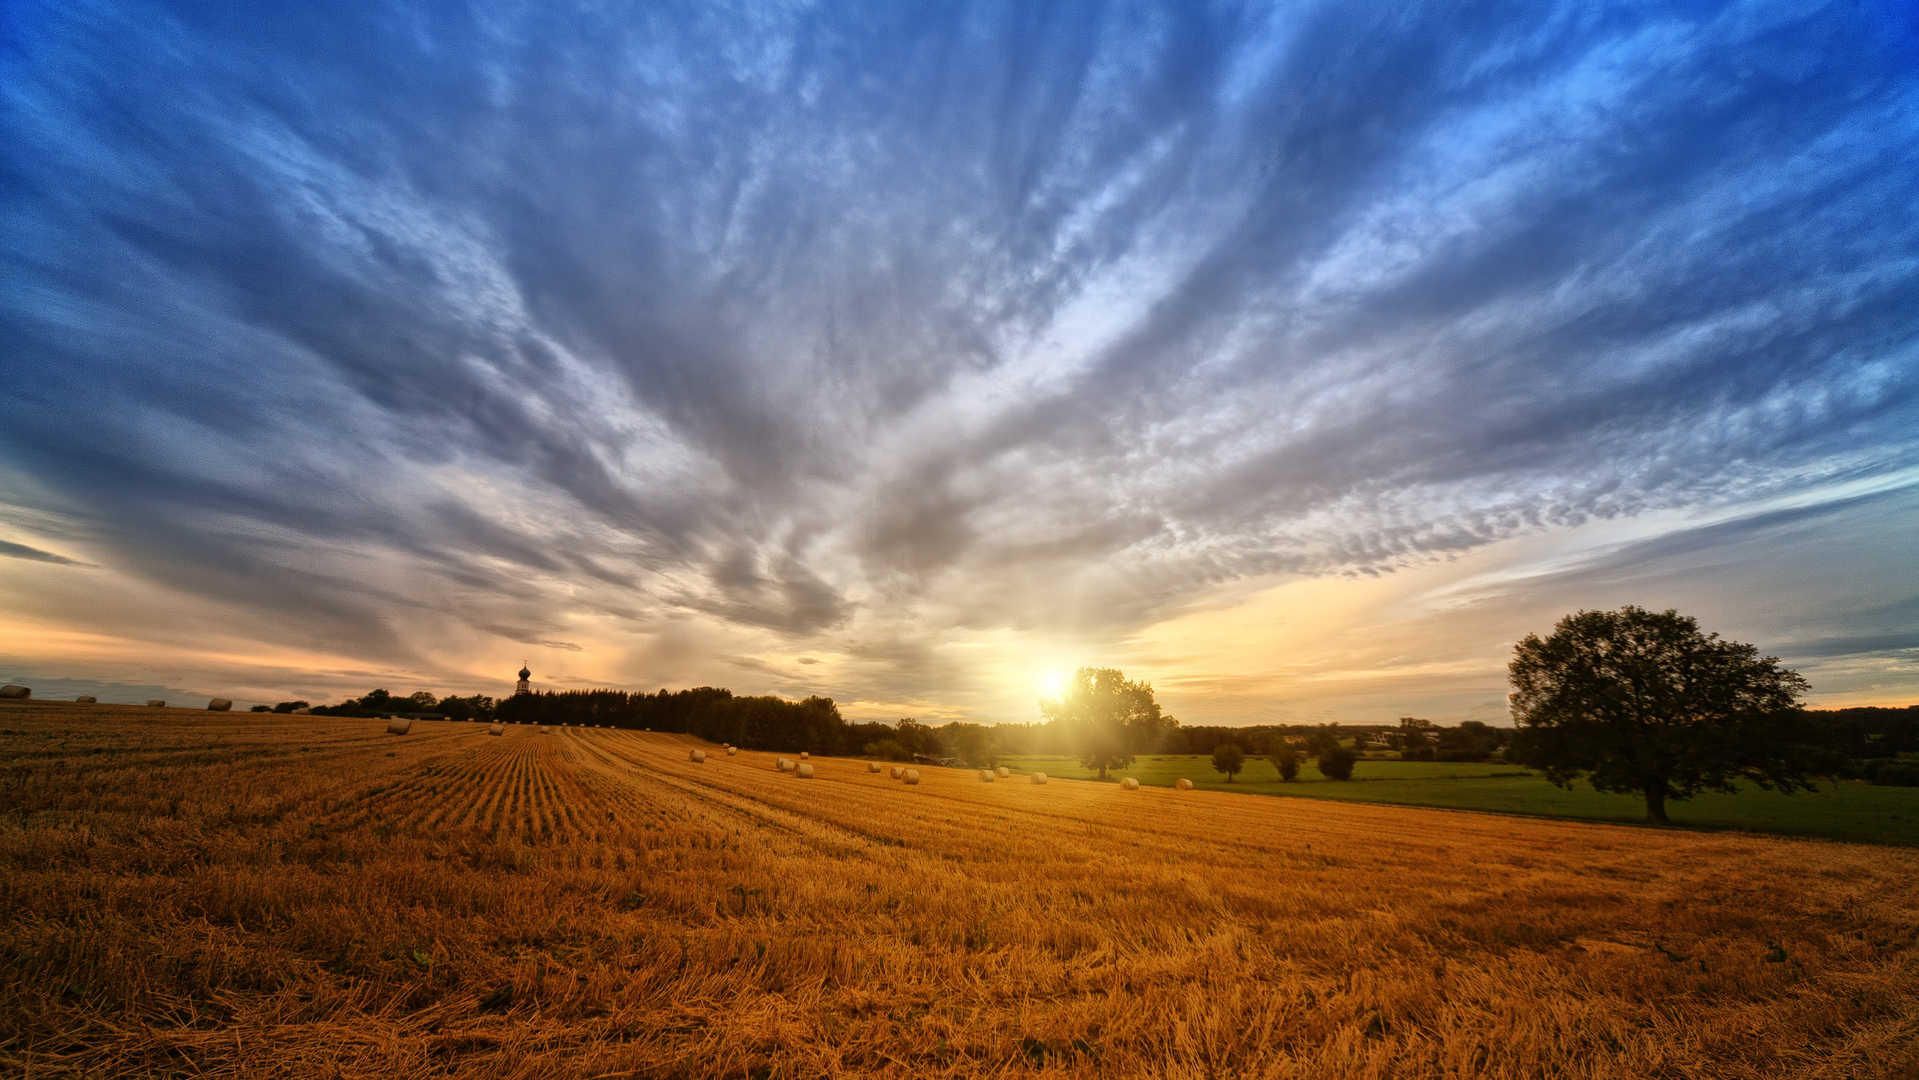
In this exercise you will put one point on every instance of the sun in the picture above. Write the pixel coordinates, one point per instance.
(1051, 682)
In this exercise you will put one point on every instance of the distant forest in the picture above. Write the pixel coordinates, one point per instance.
(1873, 740)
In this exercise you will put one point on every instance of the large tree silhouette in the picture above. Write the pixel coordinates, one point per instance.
(1644, 702)
(1106, 718)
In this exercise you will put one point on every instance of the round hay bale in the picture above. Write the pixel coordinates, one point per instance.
(219, 704)
(1039, 778)
(910, 776)
(399, 725)
(1129, 784)
(156, 703)
(696, 756)
(1003, 772)
(1183, 784)
(804, 772)
(986, 776)
(731, 750)
(783, 764)
(897, 770)
(15, 692)
(85, 699)
(872, 766)
(496, 728)
(802, 755)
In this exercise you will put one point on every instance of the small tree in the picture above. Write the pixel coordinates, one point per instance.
(1643, 702)
(1106, 718)
(1285, 758)
(1337, 763)
(1229, 759)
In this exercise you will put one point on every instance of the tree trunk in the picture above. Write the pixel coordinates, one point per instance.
(1102, 771)
(1656, 802)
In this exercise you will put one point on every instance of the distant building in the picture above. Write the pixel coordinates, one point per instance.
(523, 687)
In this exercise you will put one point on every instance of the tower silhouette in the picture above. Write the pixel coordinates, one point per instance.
(523, 687)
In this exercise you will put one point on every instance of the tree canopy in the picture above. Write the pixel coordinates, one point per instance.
(1285, 757)
(1107, 718)
(1229, 759)
(1638, 701)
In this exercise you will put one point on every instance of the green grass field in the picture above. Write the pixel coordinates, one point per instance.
(1842, 811)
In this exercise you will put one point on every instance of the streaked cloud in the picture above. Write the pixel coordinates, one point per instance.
(886, 353)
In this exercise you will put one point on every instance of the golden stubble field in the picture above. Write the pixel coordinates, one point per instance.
(191, 894)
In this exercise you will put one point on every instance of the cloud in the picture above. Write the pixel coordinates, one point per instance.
(32, 554)
(866, 333)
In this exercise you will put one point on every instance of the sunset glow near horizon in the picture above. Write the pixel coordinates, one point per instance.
(1296, 360)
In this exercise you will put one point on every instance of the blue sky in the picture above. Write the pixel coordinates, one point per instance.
(1297, 358)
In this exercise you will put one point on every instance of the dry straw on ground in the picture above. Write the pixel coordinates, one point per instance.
(240, 896)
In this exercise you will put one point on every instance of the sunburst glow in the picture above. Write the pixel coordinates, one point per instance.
(1051, 682)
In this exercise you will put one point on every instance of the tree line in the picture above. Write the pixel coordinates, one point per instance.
(1629, 700)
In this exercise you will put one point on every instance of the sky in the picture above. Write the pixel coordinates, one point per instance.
(1298, 358)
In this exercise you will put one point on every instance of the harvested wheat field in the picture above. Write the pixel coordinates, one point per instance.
(196, 894)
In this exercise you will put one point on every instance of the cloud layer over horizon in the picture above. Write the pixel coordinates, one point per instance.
(876, 351)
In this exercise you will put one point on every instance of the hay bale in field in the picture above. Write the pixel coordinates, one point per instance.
(910, 776)
(897, 770)
(219, 704)
(804, 772)
(802, 755)
(1003, 772)
(15, 692)
(1039, 778)
(987, 776)
(399, 725)
(1183, 784)
(731, 750)
(872, 766)
(696, 756)
(496, 728)
(156, 703)
(85, 699)
(783, 764)
(1129, 784)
